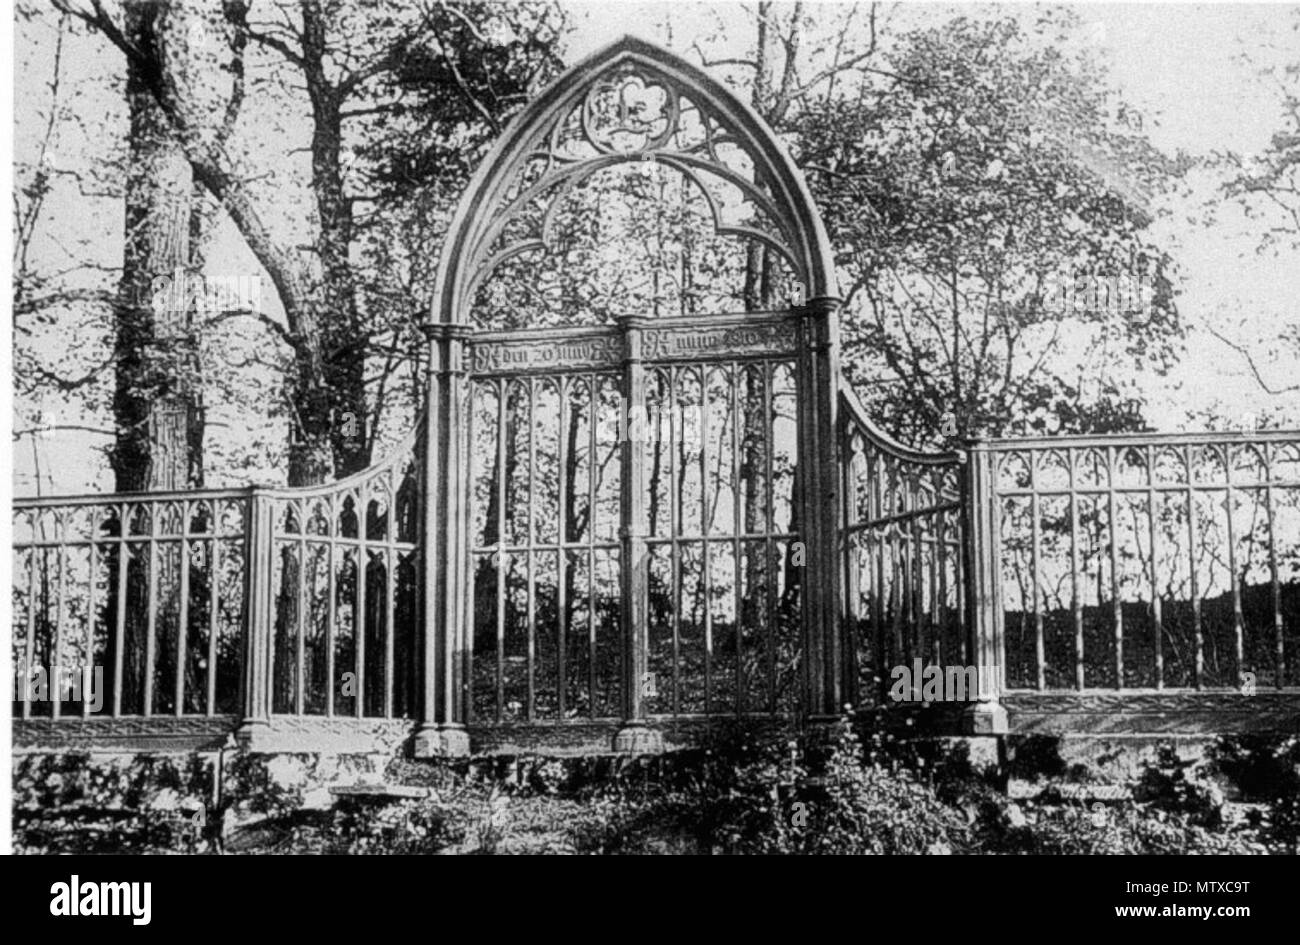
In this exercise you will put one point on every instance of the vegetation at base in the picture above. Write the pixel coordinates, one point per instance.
(856, 792)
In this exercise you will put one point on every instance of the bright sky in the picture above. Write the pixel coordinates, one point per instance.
(1182, 64)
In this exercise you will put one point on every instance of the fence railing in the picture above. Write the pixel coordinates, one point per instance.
(1117, 565)
(249, 603)
(147, 589)
(903, 554)
(1146, 562)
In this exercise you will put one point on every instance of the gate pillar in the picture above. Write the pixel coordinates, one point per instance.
(825, 685)
(985, 716)
(445, 641)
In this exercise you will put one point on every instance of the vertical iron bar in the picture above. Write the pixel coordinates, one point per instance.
(737, 377)
(769, 527)
(29, 644)
(593, 466)
(214, 604)
(1077, 601)
(876, 485)
(706, 522)
(390, 615)
(390, 595)
(502, 555)
(330, 607)
(363, 567)
(564, 387)
(936, 599)
(940, 583)
(1154, 518)
(1040, 647)
(56, 658)
(124, 553)
(1238, 622)
(531, 707)
(1279, 649)
(88, 669)
(151, 626)
(300, 651)
(1199, 668)
(963, 582)
(1116, 594)
(917, 539)
(182, 628)
(677, 428)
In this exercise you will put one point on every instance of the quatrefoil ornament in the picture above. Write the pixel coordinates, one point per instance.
(629, 113)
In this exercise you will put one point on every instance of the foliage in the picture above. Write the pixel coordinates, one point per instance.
(362, 826)
(839, 792)
(1106, 830)
(74, 802)
(1176, 785)
(1267, 770)
(773, 797)
(990, 168)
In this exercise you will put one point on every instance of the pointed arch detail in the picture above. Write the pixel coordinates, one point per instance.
(631, 101)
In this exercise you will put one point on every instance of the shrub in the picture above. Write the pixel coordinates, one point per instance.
(756, 798)
(1119, 830)
(1267, 770)
(366, 826)
(1176, 786)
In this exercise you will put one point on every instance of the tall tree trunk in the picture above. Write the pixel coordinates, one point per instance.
(157, 407)
(329, 389)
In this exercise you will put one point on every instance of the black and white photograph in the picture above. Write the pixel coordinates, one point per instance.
(607, 428)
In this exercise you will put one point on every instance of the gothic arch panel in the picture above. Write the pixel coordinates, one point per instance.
(616, 119)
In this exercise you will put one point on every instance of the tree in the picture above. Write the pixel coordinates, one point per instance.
(346, 69)
(157, 404)
(979, 195)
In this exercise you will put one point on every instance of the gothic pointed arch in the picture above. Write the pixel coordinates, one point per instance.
(631, 102)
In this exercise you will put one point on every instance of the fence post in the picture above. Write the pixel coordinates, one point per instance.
(820, 511)
(634, 735)
(444, 526)
(258, 571)
(982, 554)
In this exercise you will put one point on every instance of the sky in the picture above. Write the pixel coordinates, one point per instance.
(1184, 65)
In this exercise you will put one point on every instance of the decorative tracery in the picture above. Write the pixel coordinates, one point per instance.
(702, 182)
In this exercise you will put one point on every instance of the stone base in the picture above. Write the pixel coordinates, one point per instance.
(455, 741)
(440, 741)
(253, 734)
(985, 718)
(323, 735)
(638, 739)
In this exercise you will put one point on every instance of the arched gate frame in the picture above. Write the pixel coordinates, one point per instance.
(529, 159)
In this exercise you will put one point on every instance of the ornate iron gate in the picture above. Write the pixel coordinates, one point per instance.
(634, 488)
(637, 518)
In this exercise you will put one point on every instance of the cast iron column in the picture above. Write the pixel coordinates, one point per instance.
(442, 712)
(818, 380)
(634, 735)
